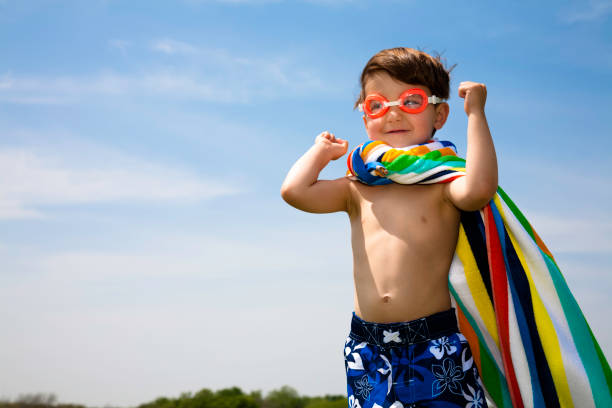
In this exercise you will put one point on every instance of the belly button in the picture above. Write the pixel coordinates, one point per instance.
(386, 299)
(423, 219)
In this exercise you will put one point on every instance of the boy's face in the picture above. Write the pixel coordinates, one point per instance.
(398, 128)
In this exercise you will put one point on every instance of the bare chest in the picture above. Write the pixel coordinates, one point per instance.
(402, 210)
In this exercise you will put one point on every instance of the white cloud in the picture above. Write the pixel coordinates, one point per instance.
(331, 3)
(573, 235)
(121, 45)
(14, 210)
(242, 2)
(585, 12)
(60, 90)
(208, 257)
(29, 179)
(169, 46)
(210, 74)
(6, 81)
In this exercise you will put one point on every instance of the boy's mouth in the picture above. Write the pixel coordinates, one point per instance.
(397, 131)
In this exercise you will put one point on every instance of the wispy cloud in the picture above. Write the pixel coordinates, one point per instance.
(169, 46)
(205, 256)
(569, 234)
(255, 73)
(121, 45)
(241, 2)
(30, 180)
(260, 2)
(59, 90)
(209, 75)
(208, 254)
(586, 11)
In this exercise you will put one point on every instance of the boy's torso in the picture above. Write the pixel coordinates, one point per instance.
(403, 239)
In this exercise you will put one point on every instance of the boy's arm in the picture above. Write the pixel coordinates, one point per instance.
(479, 185)
(304, 191)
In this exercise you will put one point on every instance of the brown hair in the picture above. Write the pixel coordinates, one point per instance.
(410, 66)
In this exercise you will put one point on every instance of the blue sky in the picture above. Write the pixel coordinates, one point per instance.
(145, 248)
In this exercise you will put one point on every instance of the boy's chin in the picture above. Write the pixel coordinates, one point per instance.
(401, 142)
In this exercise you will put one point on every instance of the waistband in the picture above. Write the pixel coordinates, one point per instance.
(404, 333)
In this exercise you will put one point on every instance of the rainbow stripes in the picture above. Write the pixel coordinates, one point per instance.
(529, 338)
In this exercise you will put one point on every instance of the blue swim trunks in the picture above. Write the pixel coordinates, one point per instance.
(420, 363)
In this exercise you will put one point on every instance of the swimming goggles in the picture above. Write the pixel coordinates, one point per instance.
(413, 100)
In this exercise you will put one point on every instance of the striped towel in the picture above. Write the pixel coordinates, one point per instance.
(529, 338)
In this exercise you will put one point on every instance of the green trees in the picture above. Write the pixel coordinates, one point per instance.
(285, 397)
(37, 400)
(226, 398)
(234, 397)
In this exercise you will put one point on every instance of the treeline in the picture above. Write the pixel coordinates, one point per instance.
(39, 400)
(285, 397)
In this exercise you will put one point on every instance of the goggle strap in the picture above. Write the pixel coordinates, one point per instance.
(434, 100)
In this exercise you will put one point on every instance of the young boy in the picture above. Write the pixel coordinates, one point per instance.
(404, 348)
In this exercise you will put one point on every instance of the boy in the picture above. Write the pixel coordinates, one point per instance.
(404, 348)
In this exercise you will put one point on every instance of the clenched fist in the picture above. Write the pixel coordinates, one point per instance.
(336, 147)
(475, 96)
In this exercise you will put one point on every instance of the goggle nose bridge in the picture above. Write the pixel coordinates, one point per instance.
(393, 103)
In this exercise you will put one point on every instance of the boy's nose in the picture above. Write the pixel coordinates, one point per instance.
(394, 112)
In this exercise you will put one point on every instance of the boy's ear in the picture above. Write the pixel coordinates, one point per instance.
(442, 111)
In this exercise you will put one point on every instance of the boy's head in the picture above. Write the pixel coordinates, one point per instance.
(391, 72)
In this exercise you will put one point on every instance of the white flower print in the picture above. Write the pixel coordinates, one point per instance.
(363, 387)
(466, 364)
(387, 370)
(442, 346)
(353, 402)
(447, 375)
(475, 398)
(356, 363)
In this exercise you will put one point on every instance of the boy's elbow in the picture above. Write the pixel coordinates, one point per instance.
(285, 193)
(476, 198)
(290, 195)
(484, 188)
(482, 196)
(487, 191)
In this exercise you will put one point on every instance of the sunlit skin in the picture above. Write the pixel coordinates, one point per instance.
(403, 236)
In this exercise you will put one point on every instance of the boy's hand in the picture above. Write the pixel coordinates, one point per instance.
(475, 96)
(336, 147)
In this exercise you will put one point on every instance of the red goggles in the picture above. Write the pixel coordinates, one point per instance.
(413, 100)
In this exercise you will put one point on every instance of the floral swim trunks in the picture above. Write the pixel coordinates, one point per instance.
(420, 363)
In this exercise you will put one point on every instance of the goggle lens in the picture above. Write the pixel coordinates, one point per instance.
(412, 101)
(375, 105)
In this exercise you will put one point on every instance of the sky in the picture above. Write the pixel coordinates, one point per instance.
(144, 245)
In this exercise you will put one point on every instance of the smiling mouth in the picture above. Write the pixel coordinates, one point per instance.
(397, 131)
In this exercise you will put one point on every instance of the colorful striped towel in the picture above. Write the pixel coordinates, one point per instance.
(528, 335)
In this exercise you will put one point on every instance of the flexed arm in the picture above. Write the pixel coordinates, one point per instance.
(304, 191)
(474, 191)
